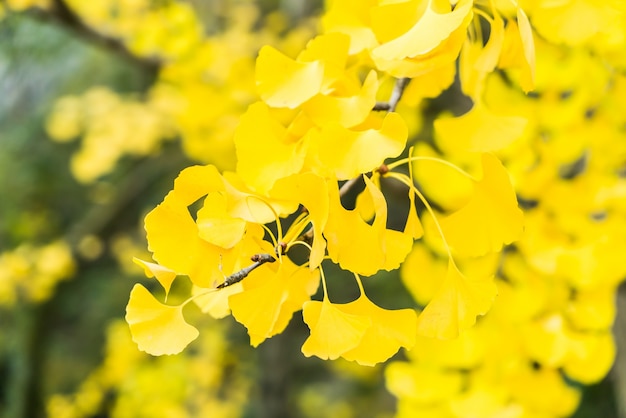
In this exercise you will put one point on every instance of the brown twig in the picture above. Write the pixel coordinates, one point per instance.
(236, 277)
(396, 95)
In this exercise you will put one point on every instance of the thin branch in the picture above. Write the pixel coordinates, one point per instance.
(396, 95)
(62, 14)
(259, 260)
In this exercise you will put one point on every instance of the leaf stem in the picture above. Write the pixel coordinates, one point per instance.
(407, 160)
(403, 179)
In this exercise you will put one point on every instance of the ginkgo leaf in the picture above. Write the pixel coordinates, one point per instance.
(422, 384)
(422, 273)
(331, 49)
(591, 356)
(163, 275)
(265, 150)
(490, 219)
(478, 130)
(216, 226)
(333, 331)
(346, 153)
(528, 46)
(431, 29)
(434, 61)
(488, 58)
(284, 82)
(413, 225)
(157, 328)
(477, 61)
(258, 309)
(271, 297)
(346, 111)
(213, 301)
(172, 235)
(359, 247)
(311, 191)
(518, 50)
(390, 330)
(456, 304)
(351, 17)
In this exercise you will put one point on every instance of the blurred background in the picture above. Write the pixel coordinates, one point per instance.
(92, 133)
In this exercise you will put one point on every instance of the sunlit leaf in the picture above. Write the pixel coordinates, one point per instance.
(478, 130)
(266, 151)
(312, 192)
(429, 31)
(490, 219)
(215, 302)
(284, 82)
(456, 304)
(360, 247)
(347, 153)
(270, 297)
(390, 330)
(157, 328)
(333, 331)
(163, 275)
(216, 226)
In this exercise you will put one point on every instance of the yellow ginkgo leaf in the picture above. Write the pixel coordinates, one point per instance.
(270, 297)
(488, 58)
(346, 111)
(331, 49)
(351, 17)
(431, 29)
(518, 50)
(390, 330)
(591, 356)
(266, 151)
(216, 226)
(527, 80)
(477, 61)
(346, 153)
(478, 130)
(413, 226)
(284, 82)
(422, 384)
(172, 235)
(333, 331)
(215, 302)
(359, 247)
(311, 191)
(456, 304)
(422, 273)
(490, 219)
(258, 309)
(163, 275)
(157, 328)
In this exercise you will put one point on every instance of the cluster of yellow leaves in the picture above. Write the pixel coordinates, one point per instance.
(551, 321)
(207, 382)
(314, 127)
(203, 84)
(109, 126)
(29, 273)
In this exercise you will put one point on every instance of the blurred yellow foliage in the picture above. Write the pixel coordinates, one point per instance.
(30, 273)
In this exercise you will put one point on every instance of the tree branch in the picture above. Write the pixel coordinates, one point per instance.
(396, 95)
(236, 277)
(61, 13)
